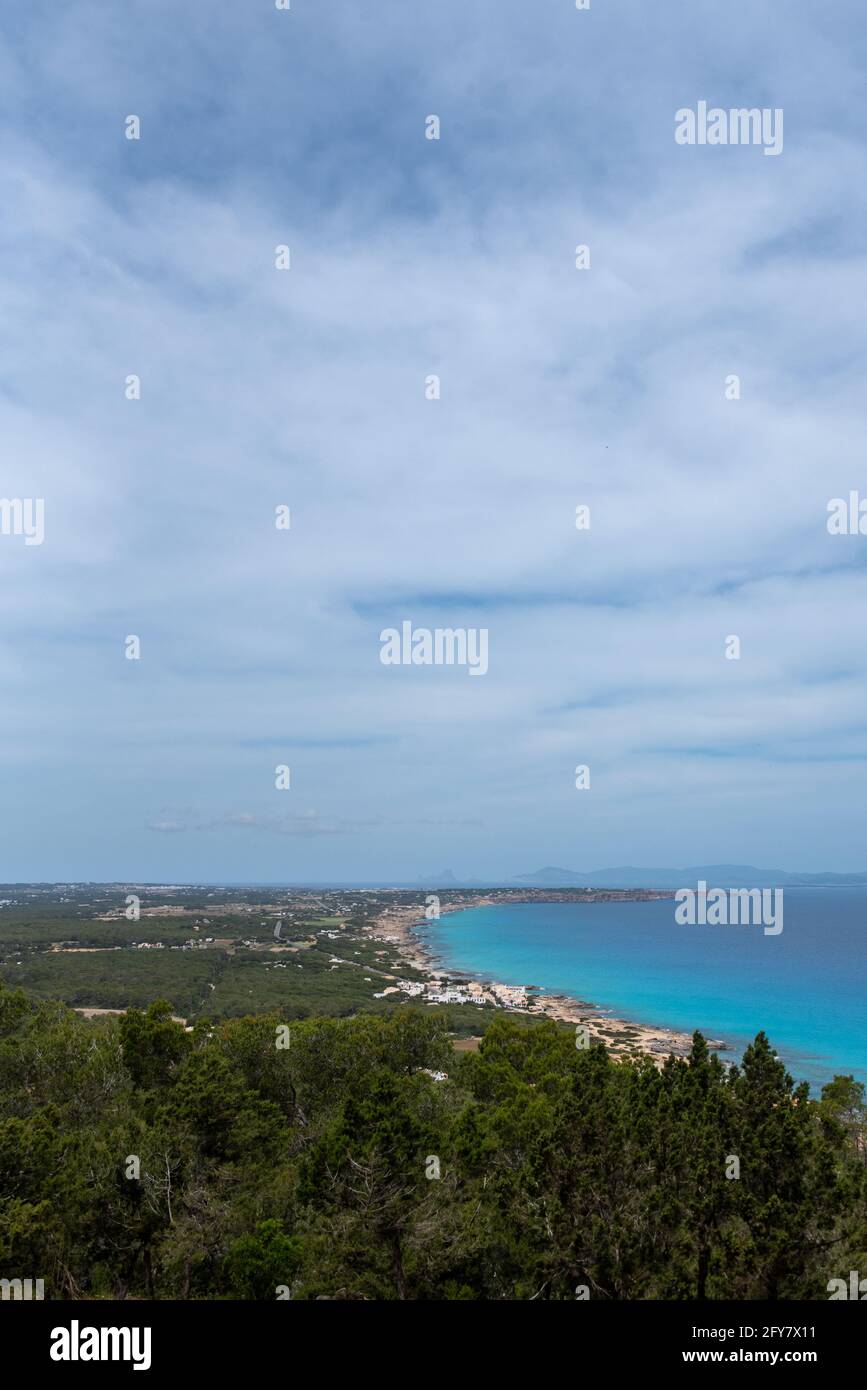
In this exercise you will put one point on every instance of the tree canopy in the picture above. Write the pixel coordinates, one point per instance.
(326, 1159)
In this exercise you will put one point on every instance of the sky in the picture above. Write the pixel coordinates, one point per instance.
(305, 387)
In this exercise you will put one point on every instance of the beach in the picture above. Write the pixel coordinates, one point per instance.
(621, 1037)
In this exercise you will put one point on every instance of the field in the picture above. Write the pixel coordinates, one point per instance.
(214, 955)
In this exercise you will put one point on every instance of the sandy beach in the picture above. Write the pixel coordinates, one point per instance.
(620, 1036)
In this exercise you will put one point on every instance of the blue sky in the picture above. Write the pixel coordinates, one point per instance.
(603, 387)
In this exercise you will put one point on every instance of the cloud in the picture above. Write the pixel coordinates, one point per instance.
(305, 824)
(559, 387)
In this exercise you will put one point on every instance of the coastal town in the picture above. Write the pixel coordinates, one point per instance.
(395, 925)
(226, 952)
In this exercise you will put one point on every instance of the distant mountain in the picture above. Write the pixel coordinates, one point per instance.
(715, 875)
(446, 879)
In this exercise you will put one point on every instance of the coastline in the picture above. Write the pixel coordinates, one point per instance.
(621, 1037)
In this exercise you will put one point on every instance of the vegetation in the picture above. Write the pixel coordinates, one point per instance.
(140, 1159)
(210, 953)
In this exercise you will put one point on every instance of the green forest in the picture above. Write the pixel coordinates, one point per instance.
(328, 1158)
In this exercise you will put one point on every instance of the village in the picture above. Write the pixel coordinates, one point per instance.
(440, 990)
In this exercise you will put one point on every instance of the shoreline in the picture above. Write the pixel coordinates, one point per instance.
(621, 1037)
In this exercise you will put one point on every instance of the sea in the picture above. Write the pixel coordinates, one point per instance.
(806, 988)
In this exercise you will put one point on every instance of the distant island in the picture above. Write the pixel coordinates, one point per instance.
(719, 875)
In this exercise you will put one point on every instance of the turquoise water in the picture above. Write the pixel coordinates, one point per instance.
(807, 987)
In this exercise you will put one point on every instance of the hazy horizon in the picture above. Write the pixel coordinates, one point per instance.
(445, 878)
